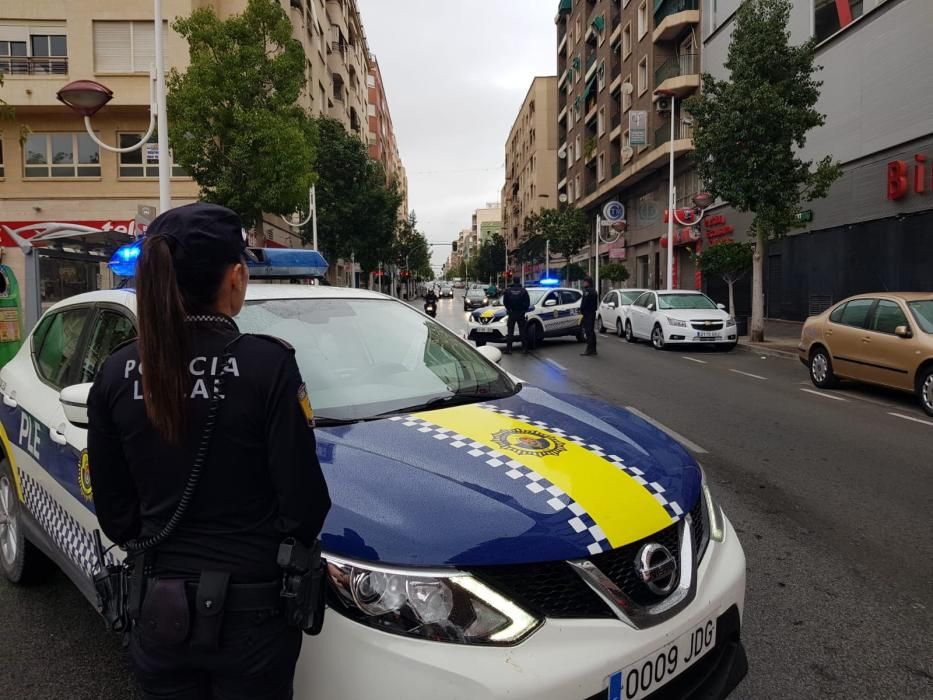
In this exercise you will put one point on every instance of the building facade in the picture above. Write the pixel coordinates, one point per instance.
(871, 232)
(531, 160)
(487, 222)
(623, 70)
(383, 146)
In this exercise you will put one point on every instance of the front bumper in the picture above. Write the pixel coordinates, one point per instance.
(562, 660)
(496, 332)
(674, 335)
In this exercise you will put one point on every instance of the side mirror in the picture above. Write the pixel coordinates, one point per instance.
(74, 403)
(551, 302)
(492, 354)
(650, 307)
(721, 307)
(903, 332)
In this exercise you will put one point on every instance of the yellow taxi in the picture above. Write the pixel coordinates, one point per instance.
(884, 338)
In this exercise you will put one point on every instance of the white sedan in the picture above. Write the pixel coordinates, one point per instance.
(679, 317)
(611, 314)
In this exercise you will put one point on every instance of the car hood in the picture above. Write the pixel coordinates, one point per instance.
(535, 477)
(490, 312)
(695, 314)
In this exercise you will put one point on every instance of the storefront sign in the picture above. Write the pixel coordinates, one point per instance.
(638, 128)
(901, 180)
(120, 226)
(618, 254)
(717, 227)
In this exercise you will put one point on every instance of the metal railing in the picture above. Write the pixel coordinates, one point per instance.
(670, 7)
(685, 64)
(682, 130)
(34, 65)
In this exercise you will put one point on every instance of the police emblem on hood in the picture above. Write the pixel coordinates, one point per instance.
(528, 442)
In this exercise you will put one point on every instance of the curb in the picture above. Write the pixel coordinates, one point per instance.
(745, 346)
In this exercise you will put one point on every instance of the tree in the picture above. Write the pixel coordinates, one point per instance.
(357, 208)
(572, 272)
(411, 250)
(234, 121)
(614, 272)
(748, 131)
(489, 261)
(567, 228)
(730, 260)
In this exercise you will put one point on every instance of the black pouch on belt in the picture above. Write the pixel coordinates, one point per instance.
(209, 609)
(165, 616)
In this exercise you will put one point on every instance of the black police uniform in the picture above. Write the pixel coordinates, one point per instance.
(516, 302)
(261, 482)
(588, 306)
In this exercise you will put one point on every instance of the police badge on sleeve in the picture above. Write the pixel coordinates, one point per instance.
(305, 404)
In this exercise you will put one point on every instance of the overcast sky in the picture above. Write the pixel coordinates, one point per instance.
(456, 73)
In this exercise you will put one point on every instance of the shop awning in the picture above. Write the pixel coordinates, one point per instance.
(599, 23)
(590, 88)
(565, 7)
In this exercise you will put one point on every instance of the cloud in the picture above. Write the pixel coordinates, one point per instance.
(455, 76)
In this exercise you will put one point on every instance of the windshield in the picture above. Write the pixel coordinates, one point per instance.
(361, 358)
(629, 297)
(923, 312)
(535, 295)
(685, 301)
(476, 294)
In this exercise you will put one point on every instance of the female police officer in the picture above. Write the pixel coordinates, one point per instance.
(205, 601)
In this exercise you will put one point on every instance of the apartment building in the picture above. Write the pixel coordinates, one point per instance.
(487, 222)
(530, 160)
(872, 231)
(60, 174)
(616, 58)
(383, 146)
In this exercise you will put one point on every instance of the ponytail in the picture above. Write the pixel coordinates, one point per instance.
(163, 338)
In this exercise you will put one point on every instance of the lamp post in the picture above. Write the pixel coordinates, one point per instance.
(87, 97)
(670, 190)
(312, 217)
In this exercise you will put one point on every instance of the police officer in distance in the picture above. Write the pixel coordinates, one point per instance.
(588, 306)
(208, 619)
(516, 302)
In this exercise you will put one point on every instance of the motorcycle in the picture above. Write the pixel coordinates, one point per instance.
(430, 308)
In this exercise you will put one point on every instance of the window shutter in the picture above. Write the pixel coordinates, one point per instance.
(143, 46)
(112, 47)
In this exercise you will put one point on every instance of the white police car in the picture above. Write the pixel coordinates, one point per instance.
(554, 312)
(487, 539)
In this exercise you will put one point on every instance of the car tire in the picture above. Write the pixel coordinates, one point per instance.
(580, 336)
(629, 333)
(20, 561)
(619, 331)
(535, 335)
(599, 324)
(821, 369)
(925, 390)
(657, 337)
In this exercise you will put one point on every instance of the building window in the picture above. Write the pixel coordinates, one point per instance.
(627, 41)
(143, 162)
(625, 3)
(642, 19)
(61, 155)
(125, 47)
(643, 75)
(627, 152)
(601, 75)
(2, 175)
(23, 53)
(601, 121)
(576, 186)
(570, 191)
(627, 93)
(829, 16)
(579, 146)
(601, 167)
(578, 31)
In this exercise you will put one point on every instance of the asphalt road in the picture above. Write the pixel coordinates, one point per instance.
(831, 493)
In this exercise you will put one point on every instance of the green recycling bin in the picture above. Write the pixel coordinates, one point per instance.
(11, 324)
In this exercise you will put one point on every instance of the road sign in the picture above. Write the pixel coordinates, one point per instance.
(614, 211)
(638, 128)
(805, 216)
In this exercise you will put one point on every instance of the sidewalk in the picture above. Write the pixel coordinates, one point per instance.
(781, 338)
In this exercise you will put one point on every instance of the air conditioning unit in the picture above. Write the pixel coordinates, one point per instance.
(662, 104)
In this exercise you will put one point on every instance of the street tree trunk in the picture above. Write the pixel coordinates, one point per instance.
(757, 330)
(731, 283)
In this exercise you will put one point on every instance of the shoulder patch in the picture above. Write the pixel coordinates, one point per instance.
(305, 404)
(273, 339)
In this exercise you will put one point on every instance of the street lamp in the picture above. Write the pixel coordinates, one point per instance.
(312, 217)
(87, 97)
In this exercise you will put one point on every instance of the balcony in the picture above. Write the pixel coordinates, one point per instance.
(679, 75)
(590, 66)
(673, 17)
(33, 65)
(682, 132)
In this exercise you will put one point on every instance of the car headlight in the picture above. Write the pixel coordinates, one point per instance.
(436, 605)
(676, 322)
(485, 301)
(730, 322)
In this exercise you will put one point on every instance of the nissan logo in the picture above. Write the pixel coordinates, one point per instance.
(656, 568)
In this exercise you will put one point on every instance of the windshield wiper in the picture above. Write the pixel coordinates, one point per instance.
(327, 422)
(459, 398)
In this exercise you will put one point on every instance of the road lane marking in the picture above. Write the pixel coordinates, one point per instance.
(556, 364)
(911, 418)
(689, 444)
(747, 374)
(825, 396)
(693, 359)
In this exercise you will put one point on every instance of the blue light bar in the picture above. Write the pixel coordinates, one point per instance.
(549, 282)
(123, 261)
(286, 263)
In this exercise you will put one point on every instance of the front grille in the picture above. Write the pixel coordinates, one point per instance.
(707, 325)
(553, 589)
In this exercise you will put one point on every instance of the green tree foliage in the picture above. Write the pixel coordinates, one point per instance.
(489, 262)
(614, 272)
(572, 273)
(567, 228)
(357, 207)
(233, 115)
(411, 249)
(729, 260)
(748, 130)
